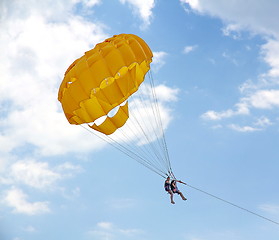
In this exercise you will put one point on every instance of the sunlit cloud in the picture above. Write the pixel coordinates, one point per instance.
(257, 18)
(243, 128)
(142, 8)
(270, 208)
(261, 93)
(90, 3)
(240, 109)
(270, 52)
(263, 122)
(18, 201)
(262, 99)
(194, 4)
(190, 48)
(37, 52)
(158, 60)
(109, 231)
(166, 94)
(233, 30)
(30, 229)
(34, 174)
(230, 58)
(39, 175)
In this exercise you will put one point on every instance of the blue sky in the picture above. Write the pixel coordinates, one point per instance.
(218, 62)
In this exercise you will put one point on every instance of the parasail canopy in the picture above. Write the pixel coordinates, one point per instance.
(104, 78)
(106, 90)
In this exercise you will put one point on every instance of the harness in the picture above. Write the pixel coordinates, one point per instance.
(167, 186)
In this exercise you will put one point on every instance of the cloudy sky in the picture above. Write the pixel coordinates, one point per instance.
(216, 64)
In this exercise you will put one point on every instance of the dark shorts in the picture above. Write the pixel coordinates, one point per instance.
(176, 191)
(167, 189)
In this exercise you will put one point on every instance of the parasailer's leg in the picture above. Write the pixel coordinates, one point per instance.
(182, 196)
(171, 197)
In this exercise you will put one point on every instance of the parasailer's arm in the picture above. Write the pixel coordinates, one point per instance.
(181, 182)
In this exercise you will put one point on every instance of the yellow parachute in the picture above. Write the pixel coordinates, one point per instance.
(102, 79)
(95, 93)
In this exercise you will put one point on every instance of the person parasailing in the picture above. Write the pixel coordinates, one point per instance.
(168, 189)
(175, 189)
(171, 188)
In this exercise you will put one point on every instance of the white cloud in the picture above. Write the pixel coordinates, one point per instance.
(91, 3)
(105, 225)
(232, 30)
(190, 48)
(109, 231)
(39, 175)
(264, 99)
(249, 86)
(241, 109)
(261, 100)
(34, 174)
(263, 122)
(158, 60)
(230, 58)
(256, 18)
(270, 52)
(258, 125)
(195, 4)
(18, 200)
(37, 52)
(29, 229)
(166, 94)
(243, 128)
(142, 8)
(270, 208)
